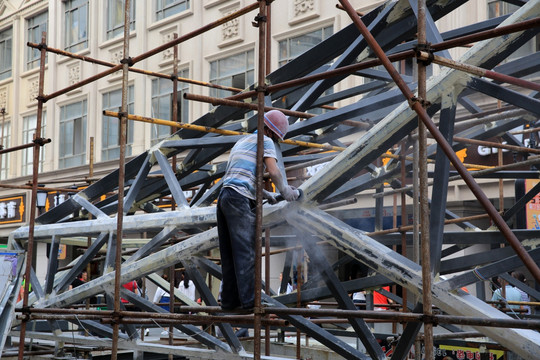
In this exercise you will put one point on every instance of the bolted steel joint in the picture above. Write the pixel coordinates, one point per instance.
(258, 20)
(262, 88)
(41, 98)
(424, 48)
(128, 60)
(41, 141)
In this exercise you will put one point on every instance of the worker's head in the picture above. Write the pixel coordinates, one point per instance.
(277, 123)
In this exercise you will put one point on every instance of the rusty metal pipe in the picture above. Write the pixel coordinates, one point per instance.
(261, 90)
(231, 132)
(349, 69)
(197, 32)
(410, 227)
(24, 146)
(3, 112)
(526, 131)
(531, 161)
(427, 301)
(197, 320)
(135, 70)
(487, 34)
(478, 71)
(496, 145)
(399, 316)
(219, 131)
(458, 165)
(244, 105)
(201, 321)
(337, 313)
(33, 196)
(154, 51)
(121, 179)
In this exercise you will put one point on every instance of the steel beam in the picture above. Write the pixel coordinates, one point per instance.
(404, 272)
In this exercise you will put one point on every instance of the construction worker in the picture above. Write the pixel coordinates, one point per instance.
(236, 210)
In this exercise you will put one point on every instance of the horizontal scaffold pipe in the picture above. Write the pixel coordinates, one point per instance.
(349, 69)
(135, 70)
(478, 71)
(219, 131)
(156, 50)
(209, 129)
(337, 313)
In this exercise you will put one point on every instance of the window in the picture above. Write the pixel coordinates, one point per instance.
(236, 71)
(500, 8)
(5, 137)
(6, 41)
(290, 48)
(76, 25)
(35, 27)
(115, 17)
(166, 8)
(29, 129)
(162, 105)
(72, 134)
(110, 131)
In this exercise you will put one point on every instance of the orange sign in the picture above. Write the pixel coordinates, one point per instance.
(12, 209)
(532, 209)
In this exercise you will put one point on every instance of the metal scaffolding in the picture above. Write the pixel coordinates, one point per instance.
(393, 112)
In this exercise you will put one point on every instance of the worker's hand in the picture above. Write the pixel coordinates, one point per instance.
(271, 197)
(290, 193)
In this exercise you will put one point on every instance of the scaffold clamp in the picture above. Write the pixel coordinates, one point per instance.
(424, 48)
(258, 19)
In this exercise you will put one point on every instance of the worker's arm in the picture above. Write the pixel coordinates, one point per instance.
(287, 191)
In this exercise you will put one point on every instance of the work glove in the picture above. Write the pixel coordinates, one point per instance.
(290, 193)
(271, 197)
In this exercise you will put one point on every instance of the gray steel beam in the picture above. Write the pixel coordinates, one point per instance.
(209, 300)
(191, 330)
(126, 345)
(180, 219)
(152, 263)
(517, 283)
(135, 187)
(510, 96)
(485, 272)
(80, 265)
(52, 265)
(440, 183)
(408, 274)
(318, 333)
(408, 337)
(470, 261)
(344, 301)
(170, 178)
(521, 202)
(153, 244)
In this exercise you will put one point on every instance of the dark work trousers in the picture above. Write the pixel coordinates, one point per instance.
(236, 230)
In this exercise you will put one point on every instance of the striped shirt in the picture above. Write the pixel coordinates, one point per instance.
(240, 173)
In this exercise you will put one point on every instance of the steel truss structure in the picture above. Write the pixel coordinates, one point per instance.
(391, 122)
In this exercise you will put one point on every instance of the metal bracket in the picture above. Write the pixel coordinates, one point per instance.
(426, 48)
(258, 20)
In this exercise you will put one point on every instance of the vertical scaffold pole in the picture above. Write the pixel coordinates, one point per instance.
(121, 177)
(261, 91)
(35, 171)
